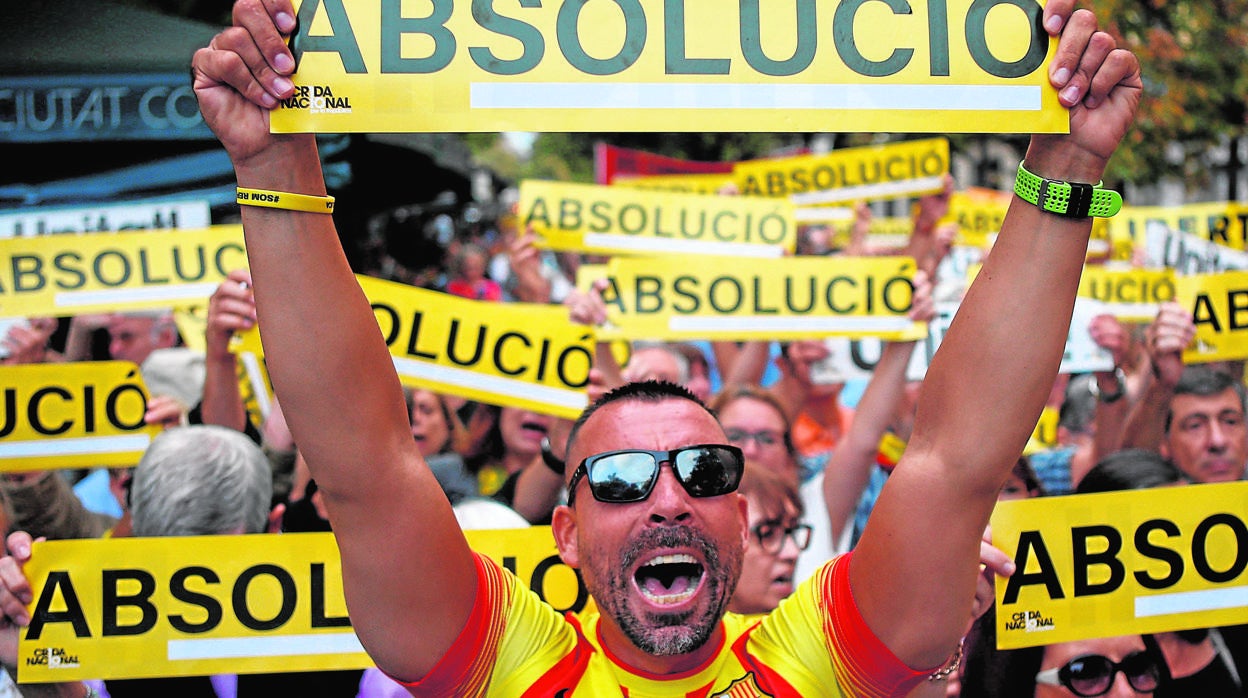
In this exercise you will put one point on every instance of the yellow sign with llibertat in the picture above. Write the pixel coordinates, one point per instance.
(891, 170)
(526, 355)
(740, 299)
(615, 220)
(151, 607)
(82, 414)
(651, 65)
(1121, 563)
(1221, 222)
(1131, 295)
(54, 275)
(1219, 306)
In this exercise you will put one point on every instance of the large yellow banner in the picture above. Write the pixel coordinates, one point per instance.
(905, 168)
(655, 65)
(1219, 306)
(518, 354)
(147, 607)
(618, 220)
(54, 275)
(82, 414)
(1122, 563)
(740, 299)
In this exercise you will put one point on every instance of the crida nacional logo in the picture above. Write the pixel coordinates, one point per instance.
(318, 99)
(1029, 621)
(52, 657)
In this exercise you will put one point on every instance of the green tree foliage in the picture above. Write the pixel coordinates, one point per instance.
(1193, 57)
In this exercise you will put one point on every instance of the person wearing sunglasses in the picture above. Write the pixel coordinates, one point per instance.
(653, 521)
(1114, 666)
(777, 537)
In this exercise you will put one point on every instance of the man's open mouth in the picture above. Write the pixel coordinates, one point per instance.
(669, 579)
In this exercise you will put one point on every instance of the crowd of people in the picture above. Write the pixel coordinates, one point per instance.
(743, 526)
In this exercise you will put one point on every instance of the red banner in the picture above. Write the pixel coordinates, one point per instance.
(612, 161)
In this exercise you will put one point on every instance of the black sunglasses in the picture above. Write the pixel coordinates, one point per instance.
(619, 477)
(1093, 674)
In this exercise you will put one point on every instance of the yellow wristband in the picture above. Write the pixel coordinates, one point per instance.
(285, 200)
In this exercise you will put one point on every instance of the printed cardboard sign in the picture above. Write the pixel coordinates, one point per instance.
(938, 66)
(1121, 563)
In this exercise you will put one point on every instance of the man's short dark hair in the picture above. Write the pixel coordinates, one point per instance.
(1129, 469)
(1204, 380)
(641, 391)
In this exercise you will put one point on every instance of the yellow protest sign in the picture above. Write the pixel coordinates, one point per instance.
(73, 415)
(1131, 295)
(739, 299)
(1044, 436)
(1221, 222)
(615, 220)
(905, 168)
(652, 65)
(54, 275)
(148, 607)
(518, 354)
(700, 183)
(978, 212)
(1121, 563)
(1219, 306)
(192, 323)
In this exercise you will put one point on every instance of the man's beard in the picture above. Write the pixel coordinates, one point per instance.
(667, 634)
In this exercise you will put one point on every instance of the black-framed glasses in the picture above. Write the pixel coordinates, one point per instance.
(619, 477)
(762, 437)
(1091, 675)
(771, 535)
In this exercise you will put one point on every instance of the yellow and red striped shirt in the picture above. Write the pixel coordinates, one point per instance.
(814, 644)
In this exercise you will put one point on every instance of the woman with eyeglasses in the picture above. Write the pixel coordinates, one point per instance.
(776, 537)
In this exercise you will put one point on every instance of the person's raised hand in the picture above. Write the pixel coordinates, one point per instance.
(243, 73)
(922, 304)
(1101, 86)
(15, 595)
(1165, 339)
(588, 307)
(231, 308)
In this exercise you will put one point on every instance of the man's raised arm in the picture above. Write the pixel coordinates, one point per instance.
(913, 572)
(408, 571)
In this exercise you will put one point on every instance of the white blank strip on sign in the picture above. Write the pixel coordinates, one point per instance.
(1191, 601)
(867, 191)
(658, 96)
(824, 213)
(280, 646)
(773, 323)
(494, 384)
(176, 292)
(727, 249)
(68, 447)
